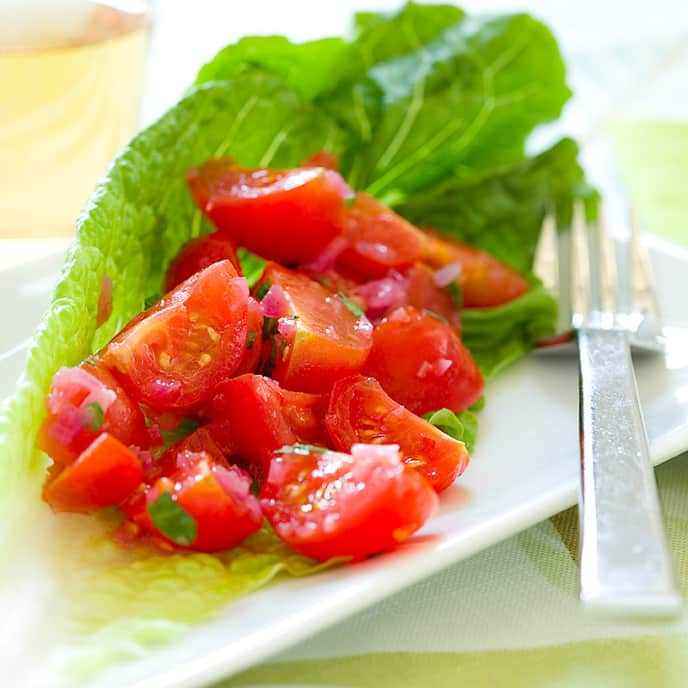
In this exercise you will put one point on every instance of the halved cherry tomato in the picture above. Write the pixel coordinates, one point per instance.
(327, 504)
(263, 418)
(105, 474)
(172, 356)
(321, 340)
(360, 411)
(284, 215)
(254, 339)
(322, 159)
(217, 497)
(424, 294)
(378, 239)
(421, 363)
(83, 403)
(484, 280)
(198, 254)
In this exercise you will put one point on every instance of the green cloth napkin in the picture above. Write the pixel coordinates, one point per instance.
(515, 605)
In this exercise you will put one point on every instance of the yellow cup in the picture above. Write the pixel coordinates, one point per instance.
(65, 110)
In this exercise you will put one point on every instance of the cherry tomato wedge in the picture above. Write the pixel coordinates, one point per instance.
(104, 475)
(83, 403)
(200, 505)
(326, 340)
(327, 504)
(360, 411)
(378, 239)
(421, 363)
(425, 295)
(198, 254)
(263, 418)
(322, 159)
(484, 280)
(285, 215)
(173, 355)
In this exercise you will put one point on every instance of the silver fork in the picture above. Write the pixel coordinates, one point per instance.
(625, 565)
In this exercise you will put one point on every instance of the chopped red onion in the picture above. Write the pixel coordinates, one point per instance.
(383, 294)
(442, 365)
(327, 258)
(286, 327)
(275, 303)
(447, 274)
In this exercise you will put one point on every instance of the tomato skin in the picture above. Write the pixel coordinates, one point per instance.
(424, 294)
(198, 254)
(104, 475)
(172, 356)
(329, 504)
(378, 239)
(360, 411)
(421, 363)
(251, 405)
(484, 280)
(68, 428)
(216, 496)
(322, 158)
(327, 340)
(285, 215)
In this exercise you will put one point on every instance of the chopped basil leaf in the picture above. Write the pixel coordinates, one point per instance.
(251, 339)
(262, 290)
(324, 281)
(349, 201)
(184, 429)
(457, 296)
(283, 347)
(269, 327)
(437, 316)
(301, 449)
(350, 305)
(251, 266)
(97, 416)
(172, 520)
(151, 300)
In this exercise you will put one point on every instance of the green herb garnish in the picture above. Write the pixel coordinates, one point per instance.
(184, 429)
(262, 290)
(350, 305)
(172, 520)
(437, 316)
(97, 416)
(151, 300)
(301, 449)
(457, 296)
(251, 339)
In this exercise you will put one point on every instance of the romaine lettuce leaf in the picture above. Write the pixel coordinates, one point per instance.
(461, 426)
(418, 104)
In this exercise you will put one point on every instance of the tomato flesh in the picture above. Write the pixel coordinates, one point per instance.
(484, 281)
(378, 240)
(263, 418)
(105, 474)
(421, 363)
(198, 254)
(322, 158)
(424, 294)
(326, 341)
(173, 356)
(360, 411)
(285, 215)
(83, 403)
(327, 504)
(217, 497)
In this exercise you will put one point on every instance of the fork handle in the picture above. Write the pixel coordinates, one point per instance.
(625, 566)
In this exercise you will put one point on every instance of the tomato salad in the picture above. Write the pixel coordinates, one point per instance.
(299, 401)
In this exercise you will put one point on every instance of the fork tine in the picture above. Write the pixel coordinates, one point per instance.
(580, 266)
(644, 300)
(608, 276)
(546, 263)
